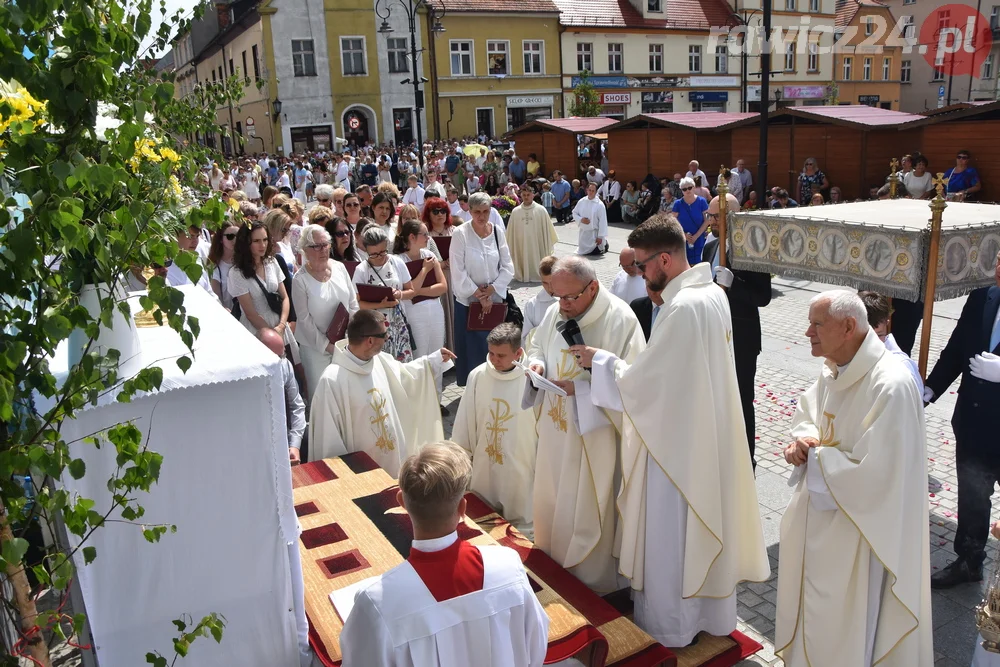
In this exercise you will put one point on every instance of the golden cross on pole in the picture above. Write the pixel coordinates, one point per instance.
(893, 182)
(940, 183)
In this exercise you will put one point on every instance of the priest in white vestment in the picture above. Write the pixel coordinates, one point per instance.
(530, 235)
(854, 582)
(576, 470)
(592, 217)
(450, 604)
(629, 284)
(366, 401)
(689, 520)
(497, 432)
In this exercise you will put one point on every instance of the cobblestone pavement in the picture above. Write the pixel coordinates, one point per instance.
(785, 369)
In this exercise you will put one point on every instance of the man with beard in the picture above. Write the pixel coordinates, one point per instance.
(684, 454)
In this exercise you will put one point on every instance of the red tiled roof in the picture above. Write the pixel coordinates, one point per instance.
(846, 10)
(574, 124)
(854, 114)
(680, 14)
(506, 6)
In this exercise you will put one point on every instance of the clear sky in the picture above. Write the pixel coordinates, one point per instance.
(172, 6)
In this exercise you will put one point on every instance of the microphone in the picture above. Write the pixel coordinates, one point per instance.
(571, 333)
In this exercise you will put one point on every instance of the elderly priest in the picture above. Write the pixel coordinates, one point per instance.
(854, 583)
(690, 527)
(367, 401)
(575, 478)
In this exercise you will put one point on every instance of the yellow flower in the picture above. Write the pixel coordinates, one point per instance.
(174, 187)
(169, 154)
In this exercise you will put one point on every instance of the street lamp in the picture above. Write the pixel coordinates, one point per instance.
(276, 105)
(383, 9)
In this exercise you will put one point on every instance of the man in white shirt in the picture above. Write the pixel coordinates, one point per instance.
(414, 193)
(746, 179)
(693, 171)
(610, 189)
(450, 604)
(592, 216)
(342, 173)
(628, 285)
(595, 175)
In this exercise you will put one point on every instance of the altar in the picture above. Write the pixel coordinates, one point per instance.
(225, 483)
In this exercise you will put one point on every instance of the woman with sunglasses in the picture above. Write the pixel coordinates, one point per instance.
(440, 222)
(255, 281)
(382, 269)
(690, 212)
(342, 246)
(220, 259)
(352, 209)
(318, 291)
(426, 318)
(811, 180)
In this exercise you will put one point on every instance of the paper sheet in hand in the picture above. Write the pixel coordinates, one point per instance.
(343, 598)
(539, 382)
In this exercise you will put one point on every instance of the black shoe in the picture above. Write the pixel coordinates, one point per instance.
(958, 572)
(444, 411)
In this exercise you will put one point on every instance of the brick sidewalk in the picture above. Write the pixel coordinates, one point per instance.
(785, 370)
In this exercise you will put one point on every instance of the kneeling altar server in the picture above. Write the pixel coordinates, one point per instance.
(366, 401)
(854, 583)
(450, 604)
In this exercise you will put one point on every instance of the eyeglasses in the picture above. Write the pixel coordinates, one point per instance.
(319, 246)
(963, 157)
(341, 234)
(574, 297)
(354, 205)
(439, 211)
(686, 189)
(229, 237)
(642, 265)
(376, 255)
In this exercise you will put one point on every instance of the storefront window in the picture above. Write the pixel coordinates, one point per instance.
(615, 111)
(519, 116)
(719, 107)
(653, 107)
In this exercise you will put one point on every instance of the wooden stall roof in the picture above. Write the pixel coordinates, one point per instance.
(569, 125)
(858, 116)
(695, 120)
(974, 111)
(957, 106)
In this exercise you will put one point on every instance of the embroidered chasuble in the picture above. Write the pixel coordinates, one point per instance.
(382, 407)
(578, 462)
(854, 582)
(500, 436)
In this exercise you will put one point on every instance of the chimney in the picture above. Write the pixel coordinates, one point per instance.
(225, 15)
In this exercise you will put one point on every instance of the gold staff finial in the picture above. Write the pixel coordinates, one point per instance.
(893, 180)
(940, 183)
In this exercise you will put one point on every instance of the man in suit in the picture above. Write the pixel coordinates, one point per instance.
(747, 291)
(643, 308)
(972, 353)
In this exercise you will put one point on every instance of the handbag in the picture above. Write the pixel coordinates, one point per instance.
(274, 299)
(513, 313)
(235, 310)
(398, 308)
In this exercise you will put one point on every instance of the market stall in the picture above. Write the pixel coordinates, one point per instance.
(886, 246)
(555, 142)
(664, 143)
(225, 483)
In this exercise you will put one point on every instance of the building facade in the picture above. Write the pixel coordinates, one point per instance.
(650, 56)
(496, 66)
(868, 63)
(925, 87)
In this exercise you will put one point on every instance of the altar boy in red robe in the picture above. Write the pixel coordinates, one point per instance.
(450, 604)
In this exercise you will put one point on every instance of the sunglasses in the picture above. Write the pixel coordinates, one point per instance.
(341, 234)
(963, 157)
(229, 237)
(686, 189)
(354, 205)
(377, 335)
(439, 211)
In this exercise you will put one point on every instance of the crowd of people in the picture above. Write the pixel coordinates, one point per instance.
(394, 276)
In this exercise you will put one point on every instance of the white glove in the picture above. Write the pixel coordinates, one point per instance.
(928, 394)
(985, 366)
(724, 276)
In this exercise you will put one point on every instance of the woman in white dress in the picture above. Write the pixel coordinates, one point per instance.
(255, 281)
(381, 269)
(251, 183)
(318, 291)
(426, 318)
(220, 261)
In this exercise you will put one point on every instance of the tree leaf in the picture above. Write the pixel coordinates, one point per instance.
(89, 554)
(77, 468)
(13, 550)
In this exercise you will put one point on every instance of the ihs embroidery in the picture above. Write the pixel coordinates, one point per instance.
(383, 438)
(500, 414)
(566, 370)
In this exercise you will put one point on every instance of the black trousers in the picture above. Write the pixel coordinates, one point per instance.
(906, 316)
(976, 476)
(563, 214)
(746, 372)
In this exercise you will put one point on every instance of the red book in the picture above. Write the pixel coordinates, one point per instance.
(430, 280)
(351, 268)
(480, 321)
(338, 325)
(443, 244)
(374, 293)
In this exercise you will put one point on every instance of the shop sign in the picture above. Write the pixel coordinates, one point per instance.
(804, 92)
(528, 101)
(616, 98)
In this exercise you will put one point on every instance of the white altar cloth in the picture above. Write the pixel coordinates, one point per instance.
(225, 483)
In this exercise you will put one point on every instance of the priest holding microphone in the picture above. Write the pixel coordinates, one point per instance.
(690, 528)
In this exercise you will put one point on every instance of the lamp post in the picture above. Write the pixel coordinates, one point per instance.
(744, 21)
(765, 96)
(383, 9)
